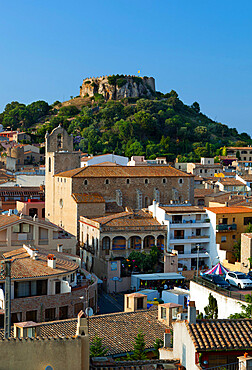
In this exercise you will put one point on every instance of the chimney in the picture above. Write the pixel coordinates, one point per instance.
(82, 325)
(167, 338)
(59, 248)
(154, 208)
(51, 261)
(192, 313)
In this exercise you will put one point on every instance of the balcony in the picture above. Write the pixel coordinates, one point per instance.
(189, 239)
(230, 227)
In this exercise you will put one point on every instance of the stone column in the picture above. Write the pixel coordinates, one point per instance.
(155, 242)
(142, 243)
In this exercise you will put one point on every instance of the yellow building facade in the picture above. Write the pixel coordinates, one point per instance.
(227, 225)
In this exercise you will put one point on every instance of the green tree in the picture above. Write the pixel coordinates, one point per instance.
(196, 107)
(211, 311)
(139, 347)
(97, 349)
(159, 343)
(224, 151)
(238, 155)
(246, 309)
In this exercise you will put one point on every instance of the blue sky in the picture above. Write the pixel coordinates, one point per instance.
(201, 49)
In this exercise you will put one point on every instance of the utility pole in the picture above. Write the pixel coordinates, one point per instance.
(197, 246)
(7, 314)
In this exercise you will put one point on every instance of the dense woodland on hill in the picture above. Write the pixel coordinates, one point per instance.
(161, 126)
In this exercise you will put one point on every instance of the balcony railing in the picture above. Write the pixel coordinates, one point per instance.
(190, 237)
(233, 366)
(229, 227)
(191, 221)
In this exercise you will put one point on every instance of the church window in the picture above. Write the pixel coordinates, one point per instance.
(107, 181)
(85, 182)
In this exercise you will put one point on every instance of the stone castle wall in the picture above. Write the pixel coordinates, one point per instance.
(123, 87)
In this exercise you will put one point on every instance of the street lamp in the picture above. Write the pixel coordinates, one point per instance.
(211, 260)
(198, 247)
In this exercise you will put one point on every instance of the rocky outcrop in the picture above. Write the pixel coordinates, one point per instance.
(118, 87)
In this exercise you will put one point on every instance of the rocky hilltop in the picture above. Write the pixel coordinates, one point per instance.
(117, 87)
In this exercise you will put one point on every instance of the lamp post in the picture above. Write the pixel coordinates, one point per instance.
(211, 260)
(198, 247)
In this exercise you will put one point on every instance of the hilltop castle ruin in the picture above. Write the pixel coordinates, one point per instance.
(118, 87)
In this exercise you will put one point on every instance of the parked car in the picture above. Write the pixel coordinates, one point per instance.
(217, 280)
(239, 279)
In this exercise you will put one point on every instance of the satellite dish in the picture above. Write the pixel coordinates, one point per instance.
(89, 311)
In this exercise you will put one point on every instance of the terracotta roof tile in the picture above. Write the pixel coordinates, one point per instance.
(219, 210)
(24, 267)
(117, 330)
(221, 334)
(199, 193)
(182, 209)
(124, 171)
(88, 198)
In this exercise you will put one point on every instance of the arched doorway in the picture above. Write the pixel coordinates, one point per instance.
(149, 241)
(135, 242)
(160, 242)
(118, 243)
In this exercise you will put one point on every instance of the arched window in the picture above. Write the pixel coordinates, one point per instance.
(85, 182)
(107, 181)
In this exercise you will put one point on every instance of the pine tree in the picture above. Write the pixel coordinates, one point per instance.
(159, 343)
(211, 311)
(97, 349)
(139, 347)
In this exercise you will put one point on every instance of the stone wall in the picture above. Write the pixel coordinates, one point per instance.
(122, 87)
(38, 353)
(41, 303)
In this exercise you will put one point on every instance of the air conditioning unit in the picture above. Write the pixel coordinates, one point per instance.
(182, 316)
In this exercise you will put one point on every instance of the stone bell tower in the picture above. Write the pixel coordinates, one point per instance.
(59, 157)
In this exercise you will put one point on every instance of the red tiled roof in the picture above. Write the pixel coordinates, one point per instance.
(219, 210)
(88, 198)
(24, 267)
(199, 193)
(124, 171)
(214, 335)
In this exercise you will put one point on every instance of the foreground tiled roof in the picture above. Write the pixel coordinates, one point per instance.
(219, 210)
(24, 267)
(231, 181)
(117, 330)
(88, 198)
(124, 171)
(221, 335)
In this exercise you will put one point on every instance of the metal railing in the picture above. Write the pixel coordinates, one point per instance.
(233, 366)
(229, 227)
(225, 292)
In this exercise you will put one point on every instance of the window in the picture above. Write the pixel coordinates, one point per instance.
(233, 219)
(85, 182)
(72, 278)
(205, 171)
(30, 288)
(223, 239)
(179, 249)
(233, 236)
(163, 313)
(31, 315)
(146, 181)
(63, 312)
(140, 303)
(247, 220)
(57, 287)
(16, 228)
(107, 181)
(50, 314)
(200, 171)
(180, 181)
(127, 181)
(77, 308)
(164, 181)
(198, 232)
(61, 203)
(49, 165)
